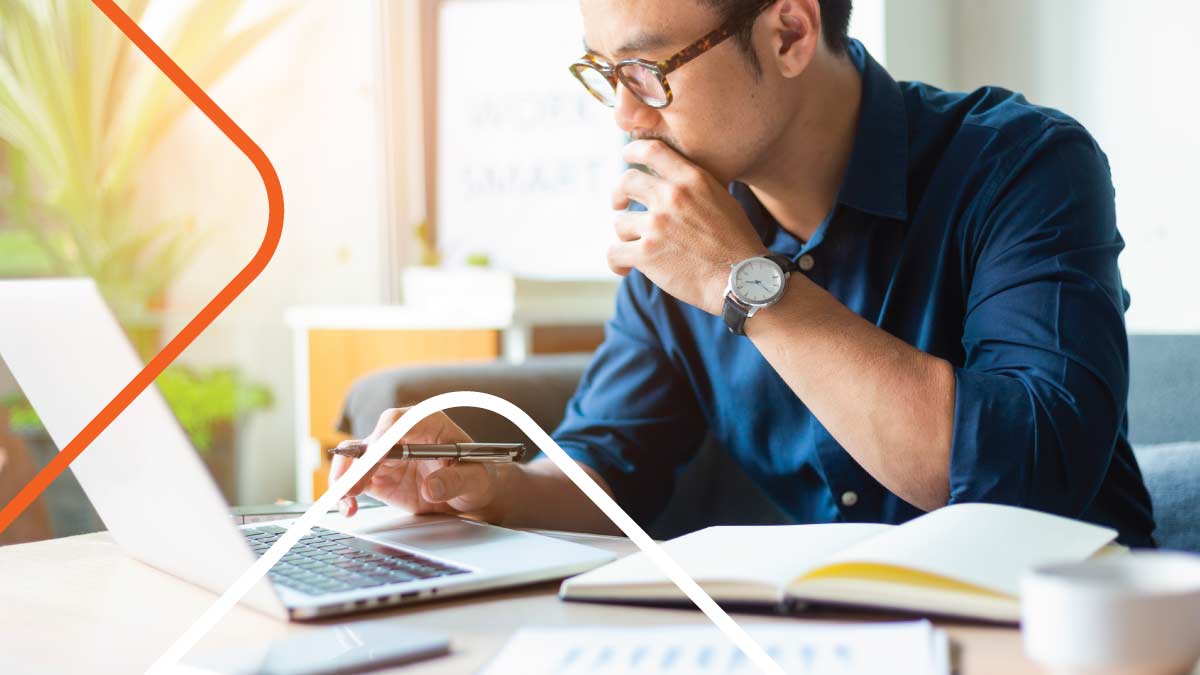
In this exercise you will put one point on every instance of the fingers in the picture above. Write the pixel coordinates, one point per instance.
(662, 160)
(397, 481)
(623, 256)
(341, 464)
(637, 186)
(347, 505)
(386, 419)
(470, 483)
(630, 225)
(435, 428)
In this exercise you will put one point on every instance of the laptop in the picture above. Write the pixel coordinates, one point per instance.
(154, 494)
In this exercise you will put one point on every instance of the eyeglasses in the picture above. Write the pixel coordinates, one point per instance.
(647, 80)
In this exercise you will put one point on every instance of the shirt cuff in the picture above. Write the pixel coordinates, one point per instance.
(630, 494)
(993, 442)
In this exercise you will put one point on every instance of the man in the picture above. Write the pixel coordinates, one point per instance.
(925, 309)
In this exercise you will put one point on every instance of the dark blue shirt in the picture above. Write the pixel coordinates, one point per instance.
(978, 228)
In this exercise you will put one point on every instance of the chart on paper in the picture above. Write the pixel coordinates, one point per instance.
(908, 648)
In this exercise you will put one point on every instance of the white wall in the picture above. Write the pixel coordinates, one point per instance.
(310, 97)
(920, 40)
(1126, 70)
(868, 24)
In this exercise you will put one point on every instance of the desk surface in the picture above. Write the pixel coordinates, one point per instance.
(78, 604)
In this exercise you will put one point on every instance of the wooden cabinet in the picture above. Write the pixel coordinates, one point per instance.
(461, 317)
(333, 347)
(336, 358)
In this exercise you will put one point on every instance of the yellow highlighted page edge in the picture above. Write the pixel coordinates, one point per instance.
(896, 575)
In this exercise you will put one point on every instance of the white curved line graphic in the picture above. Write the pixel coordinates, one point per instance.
(376, 451)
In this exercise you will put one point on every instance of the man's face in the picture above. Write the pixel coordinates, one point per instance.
(722, 113)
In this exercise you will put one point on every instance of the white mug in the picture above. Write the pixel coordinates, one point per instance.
(1123, 614)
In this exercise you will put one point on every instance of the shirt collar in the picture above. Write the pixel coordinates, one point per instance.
(876, 179)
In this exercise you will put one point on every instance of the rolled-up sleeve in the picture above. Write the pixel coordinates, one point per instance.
(634, 418)
(1041, 395)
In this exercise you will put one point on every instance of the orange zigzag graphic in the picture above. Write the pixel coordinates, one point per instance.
(209, 313)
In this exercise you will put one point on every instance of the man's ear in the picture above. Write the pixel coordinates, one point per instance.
(795, 34)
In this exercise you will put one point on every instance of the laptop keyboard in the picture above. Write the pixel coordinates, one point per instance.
(325, 561)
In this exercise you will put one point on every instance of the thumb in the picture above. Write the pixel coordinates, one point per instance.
(468, 483)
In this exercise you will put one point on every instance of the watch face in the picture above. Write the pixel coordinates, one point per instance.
(757, 281)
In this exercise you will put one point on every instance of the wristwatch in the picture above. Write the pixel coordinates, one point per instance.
(754, 283)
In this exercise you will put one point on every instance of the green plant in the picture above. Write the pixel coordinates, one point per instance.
(22, 256)
(201, 400)
(81, 110)
(479, 260)
(21, 416)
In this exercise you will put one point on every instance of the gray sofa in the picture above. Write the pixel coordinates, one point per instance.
(1164, 408)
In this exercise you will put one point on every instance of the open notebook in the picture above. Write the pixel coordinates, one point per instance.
(961, 560)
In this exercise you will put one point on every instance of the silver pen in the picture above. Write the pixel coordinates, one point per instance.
(463, 452)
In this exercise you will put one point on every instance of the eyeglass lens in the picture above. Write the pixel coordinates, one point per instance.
(644, 84)
(598, 85)
(641, 81)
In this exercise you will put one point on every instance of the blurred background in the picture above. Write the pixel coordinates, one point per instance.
(446, 187)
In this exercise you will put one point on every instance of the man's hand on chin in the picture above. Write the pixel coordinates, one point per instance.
(689, 235)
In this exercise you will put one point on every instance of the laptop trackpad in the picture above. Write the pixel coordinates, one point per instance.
(443, 535)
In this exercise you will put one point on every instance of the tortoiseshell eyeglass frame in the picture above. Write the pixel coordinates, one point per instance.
(661, 69)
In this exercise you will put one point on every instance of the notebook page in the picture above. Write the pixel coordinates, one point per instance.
(765, 554)
(908, 648)
(986, 545)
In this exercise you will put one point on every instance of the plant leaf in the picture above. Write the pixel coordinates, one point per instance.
(204, 51)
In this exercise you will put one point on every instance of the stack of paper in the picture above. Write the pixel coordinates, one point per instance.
(907, 648)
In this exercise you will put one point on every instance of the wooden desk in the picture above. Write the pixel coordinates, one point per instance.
(79, 605)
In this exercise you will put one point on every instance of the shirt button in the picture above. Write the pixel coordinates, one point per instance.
(849, 498)
(806, 263)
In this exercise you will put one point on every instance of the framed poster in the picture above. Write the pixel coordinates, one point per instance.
(527, 160)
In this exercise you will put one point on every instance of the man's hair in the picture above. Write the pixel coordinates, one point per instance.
(835, 24)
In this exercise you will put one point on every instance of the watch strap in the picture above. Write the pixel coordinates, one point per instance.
(734, 315)
(785, 263)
